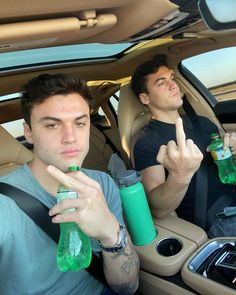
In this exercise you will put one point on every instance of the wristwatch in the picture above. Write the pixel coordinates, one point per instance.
(122, 241)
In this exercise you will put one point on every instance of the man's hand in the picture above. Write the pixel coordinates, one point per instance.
(230, 142)
(183, 159)
(92, 213)
(96, 220)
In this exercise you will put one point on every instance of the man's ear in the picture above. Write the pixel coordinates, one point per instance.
(144, 98)
(28, 133)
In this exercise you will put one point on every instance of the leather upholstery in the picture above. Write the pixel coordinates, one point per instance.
(132, 116)
(13, 153)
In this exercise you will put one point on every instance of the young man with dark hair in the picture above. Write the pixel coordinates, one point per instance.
(165, 151)
(56, 109)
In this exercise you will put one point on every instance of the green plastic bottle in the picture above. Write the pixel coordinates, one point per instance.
(74, 248)
(223, 159)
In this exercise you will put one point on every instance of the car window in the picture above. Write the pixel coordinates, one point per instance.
(113, 102)
(216, 70)
(100, 117)
(114, 99)
(15, 128)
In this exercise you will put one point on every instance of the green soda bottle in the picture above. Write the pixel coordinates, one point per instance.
(223, 159)
(74, 248)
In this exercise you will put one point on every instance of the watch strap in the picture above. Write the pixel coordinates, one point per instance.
(121, 241)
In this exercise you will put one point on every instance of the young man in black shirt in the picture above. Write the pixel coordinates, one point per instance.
(165, 150)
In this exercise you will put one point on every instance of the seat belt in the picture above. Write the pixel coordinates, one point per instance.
(38, 212)
(201, 192)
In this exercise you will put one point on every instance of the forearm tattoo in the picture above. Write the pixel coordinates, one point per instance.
(131, 262)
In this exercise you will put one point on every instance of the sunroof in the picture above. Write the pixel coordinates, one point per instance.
(59, 54)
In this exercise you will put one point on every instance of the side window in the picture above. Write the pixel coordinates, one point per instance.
(114, 99)
(113, 102)
(100, 118)
(216, 70)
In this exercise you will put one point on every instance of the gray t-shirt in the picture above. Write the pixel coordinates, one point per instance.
(28, 255)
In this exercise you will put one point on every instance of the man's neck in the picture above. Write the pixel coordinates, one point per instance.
(166, 117)
(49, 183)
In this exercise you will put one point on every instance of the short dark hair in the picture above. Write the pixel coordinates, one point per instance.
(139, 77)
(38, 89)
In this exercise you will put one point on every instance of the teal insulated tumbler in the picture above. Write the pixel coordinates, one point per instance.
(138, 216)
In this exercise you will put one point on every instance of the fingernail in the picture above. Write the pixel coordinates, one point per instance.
(50, 167)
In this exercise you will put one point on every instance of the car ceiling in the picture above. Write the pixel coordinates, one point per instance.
(106, 21)
(26, 24)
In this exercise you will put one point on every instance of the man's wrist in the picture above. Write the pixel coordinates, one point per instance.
(110, 240)
(121, 241)
(182, 180)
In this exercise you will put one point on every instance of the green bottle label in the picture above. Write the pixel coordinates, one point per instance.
(221, 154)
(64, 193)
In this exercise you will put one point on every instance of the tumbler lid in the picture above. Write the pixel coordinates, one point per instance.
(128, 177)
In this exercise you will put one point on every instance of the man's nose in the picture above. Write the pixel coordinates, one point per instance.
(173, 84)
(69, 134)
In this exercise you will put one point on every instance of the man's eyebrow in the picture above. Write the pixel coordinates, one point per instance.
(163, 78)
(50, 118)
(159, 79)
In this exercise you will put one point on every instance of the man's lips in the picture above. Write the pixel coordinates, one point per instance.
(175, 93)
(70, 152)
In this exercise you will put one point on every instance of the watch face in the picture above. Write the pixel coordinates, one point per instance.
(124, 238)
(122, 241)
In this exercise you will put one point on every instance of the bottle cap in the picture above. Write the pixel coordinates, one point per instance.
(73, 168)
(128, 177)
(214, 135)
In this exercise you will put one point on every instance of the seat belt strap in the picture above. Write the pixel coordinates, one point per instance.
(35, 209)
(38, 212)
(201, 192)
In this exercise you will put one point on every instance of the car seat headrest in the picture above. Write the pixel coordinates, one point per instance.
(132, 116)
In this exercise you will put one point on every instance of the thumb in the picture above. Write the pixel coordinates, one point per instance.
(162, 154)
(226, 140)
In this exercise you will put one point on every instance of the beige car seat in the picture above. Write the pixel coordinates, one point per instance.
(13, 153)
(99, 151)
(132, 116)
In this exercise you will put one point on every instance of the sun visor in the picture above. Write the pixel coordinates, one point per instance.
(33, 34)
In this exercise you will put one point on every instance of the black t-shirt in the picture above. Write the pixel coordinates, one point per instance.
(157, 133)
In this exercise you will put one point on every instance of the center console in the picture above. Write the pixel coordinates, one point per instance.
(206, 266)
(212, 268)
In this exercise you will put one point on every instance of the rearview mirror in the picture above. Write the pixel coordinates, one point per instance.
(218, 14)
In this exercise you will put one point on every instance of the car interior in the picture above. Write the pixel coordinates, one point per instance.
(181, 260)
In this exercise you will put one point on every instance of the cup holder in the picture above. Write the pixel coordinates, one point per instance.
(169, 247)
